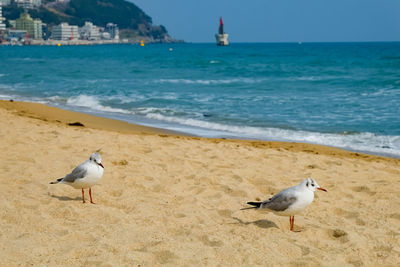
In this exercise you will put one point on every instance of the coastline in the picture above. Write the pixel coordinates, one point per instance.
(171, 199)
(63, 116)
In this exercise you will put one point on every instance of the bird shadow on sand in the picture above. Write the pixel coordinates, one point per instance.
(64, 198)
(260, 223)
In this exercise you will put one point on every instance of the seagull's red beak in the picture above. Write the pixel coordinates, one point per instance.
(322, 189)
(101, 165)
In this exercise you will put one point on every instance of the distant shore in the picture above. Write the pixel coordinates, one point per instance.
(77, 42)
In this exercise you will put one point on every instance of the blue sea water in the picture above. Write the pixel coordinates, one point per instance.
(344, 95)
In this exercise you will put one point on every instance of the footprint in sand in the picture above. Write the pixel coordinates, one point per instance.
(116, 193)
(395, 216)
(237, 178)
(338, 234)
(364, 189)
(206, 241)
(346, 214)
(225, 213)
(179, 215)
(360, 222)
(165, 256)
(120, 163)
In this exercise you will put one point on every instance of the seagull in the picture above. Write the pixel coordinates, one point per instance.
(85, 175)
(290, 201)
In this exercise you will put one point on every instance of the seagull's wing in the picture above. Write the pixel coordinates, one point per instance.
(280, 202)
(78, 173)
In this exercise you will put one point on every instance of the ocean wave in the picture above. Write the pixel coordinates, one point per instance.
(366, 142)
(383, 92)
(209, 82)
(92, 103)
(6, 97)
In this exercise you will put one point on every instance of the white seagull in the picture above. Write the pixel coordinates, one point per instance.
(290, 201)
(85, 175)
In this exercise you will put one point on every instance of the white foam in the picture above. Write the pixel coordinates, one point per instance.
(6, 97)
(209, 82)
(367, 142)
(92, 103)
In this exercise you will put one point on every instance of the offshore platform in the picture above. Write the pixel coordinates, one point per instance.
(222, 38)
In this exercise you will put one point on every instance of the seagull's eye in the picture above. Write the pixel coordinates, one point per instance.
(312, 185)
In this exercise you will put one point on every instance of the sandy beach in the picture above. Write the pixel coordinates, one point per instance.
(173, 200)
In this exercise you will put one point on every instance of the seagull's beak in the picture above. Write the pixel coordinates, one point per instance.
(322, 189)
(103, 168)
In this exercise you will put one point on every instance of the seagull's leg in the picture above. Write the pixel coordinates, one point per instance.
(293, 223)
(83, 195)
(291, 220)
(90, 194)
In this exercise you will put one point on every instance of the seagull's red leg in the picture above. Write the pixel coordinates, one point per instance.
(83, 195)
(291, 220)
(90, 194)
(293, 223)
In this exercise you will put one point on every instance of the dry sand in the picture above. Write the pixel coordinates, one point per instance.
(175, 200)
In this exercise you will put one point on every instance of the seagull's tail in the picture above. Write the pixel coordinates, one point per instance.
(255, 204)
(56, 182)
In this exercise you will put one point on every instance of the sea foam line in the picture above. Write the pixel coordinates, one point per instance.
(92, 103)
(366, 142)
(208, 82)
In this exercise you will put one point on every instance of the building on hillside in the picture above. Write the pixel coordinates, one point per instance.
(33, 27)
(65, 32)
(5, 2)
(37, 29)
(2, 25)
(113, 31)
(25, 23)
(13, 23)
(28, 4)
(89, 32)
(16, 35)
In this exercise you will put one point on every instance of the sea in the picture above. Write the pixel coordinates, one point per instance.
(344, 95)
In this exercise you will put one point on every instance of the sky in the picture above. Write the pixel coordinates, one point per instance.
(278, 20)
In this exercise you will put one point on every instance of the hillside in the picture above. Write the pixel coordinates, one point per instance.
(132, 21)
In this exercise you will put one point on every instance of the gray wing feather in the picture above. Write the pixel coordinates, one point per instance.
(78, 173)
(279, 202)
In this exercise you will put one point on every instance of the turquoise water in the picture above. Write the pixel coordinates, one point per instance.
(338, 94)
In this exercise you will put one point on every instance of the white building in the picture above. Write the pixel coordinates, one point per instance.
(28, 4)
(5, 2)
(113, 30)
(65, 32)
(13, 23)
(37, 28)
(89, 32)
(2, 25)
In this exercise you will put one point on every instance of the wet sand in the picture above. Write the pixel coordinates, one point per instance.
(168, 199)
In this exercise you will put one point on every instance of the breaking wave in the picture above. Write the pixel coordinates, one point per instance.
(210, 82)
(364, 142)
(92, 103)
